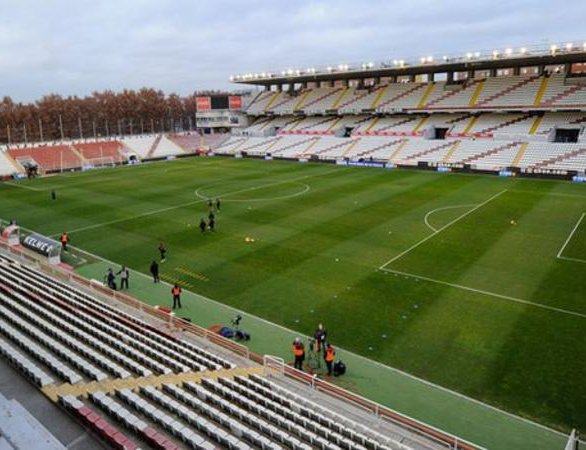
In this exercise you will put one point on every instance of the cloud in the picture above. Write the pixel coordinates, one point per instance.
(76, 47)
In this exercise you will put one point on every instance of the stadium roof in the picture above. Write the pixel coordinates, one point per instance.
(523, 57)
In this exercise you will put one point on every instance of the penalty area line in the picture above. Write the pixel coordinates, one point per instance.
(487, 293)
(433, 211)
(565, 244)
(427, 238)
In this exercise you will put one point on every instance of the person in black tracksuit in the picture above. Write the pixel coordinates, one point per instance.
(110, 279)
(155, 272)
(212, 223)
(163, 252)
(202, 225)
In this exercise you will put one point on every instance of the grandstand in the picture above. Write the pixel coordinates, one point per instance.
(138, 378)
(515, 111)
(57, 157)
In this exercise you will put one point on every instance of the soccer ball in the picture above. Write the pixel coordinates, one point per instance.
(513, 222)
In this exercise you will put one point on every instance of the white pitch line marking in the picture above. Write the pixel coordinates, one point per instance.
(488, 293)
(559, 255)
(23, 186)
(425, 239)
(182, 205)
(425, 219)
(567, 258)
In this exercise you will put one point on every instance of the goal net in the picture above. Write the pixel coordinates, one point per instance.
(98, 163)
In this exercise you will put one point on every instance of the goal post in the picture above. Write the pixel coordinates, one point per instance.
(98, 163)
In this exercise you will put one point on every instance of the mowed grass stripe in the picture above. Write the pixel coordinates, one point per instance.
(129, 196)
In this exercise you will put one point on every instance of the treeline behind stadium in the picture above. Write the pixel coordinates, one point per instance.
(101, 114)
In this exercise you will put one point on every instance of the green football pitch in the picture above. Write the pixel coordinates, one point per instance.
(475, 283)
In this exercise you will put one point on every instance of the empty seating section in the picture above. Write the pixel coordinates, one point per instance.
(323, 100)
(140, 145)
(18, 359)
(166, 147)
(7, 167)
(305, 416)
(473, 152)
(570, 120)
(513, 123)
(517, 138)
(54, 332)
(98, 424)
(330, 147)
(258, 105)
(548, 155)
(517, 91)
(55, 323)
(49, 158)
(106, 149)
(453, 97)
(151, 146)
(189, 142)
(393, 125)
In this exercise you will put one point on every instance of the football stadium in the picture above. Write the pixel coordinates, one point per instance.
(373, 255)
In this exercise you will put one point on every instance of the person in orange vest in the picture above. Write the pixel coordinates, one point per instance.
(64, 240)
(299, 353)
(176, 291)
(329, 358)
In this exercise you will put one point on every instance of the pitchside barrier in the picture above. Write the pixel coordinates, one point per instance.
(274, 366)
(573, 441)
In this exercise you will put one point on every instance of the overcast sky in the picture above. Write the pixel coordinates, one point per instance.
(76, 47)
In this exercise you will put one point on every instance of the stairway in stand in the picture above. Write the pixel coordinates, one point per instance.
(490, 152)
(430, 150)
(154, 146)
(508, 90)
(559, 158)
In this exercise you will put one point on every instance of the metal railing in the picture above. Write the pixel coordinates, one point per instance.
(543, 49)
